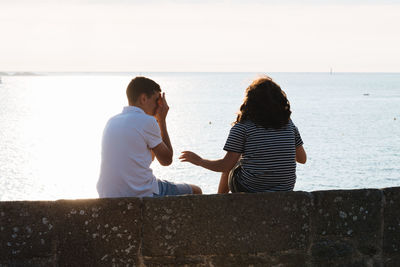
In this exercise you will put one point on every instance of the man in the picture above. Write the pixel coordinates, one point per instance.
(130, 142)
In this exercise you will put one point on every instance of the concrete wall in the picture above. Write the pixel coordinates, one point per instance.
(324, 228)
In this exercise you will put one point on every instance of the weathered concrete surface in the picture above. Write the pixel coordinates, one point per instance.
(70, 232)
(347, 227)
(324, 228)
(222, 225)
(27, 230)
(391, 231)
(98, 231)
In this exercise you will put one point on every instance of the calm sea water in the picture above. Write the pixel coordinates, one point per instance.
(51, 127)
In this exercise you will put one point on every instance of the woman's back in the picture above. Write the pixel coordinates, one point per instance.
(262, 147)
(268, 155)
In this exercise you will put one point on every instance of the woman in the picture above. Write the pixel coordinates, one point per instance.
(262, 147)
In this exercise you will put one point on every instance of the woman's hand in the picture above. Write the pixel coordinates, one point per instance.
(220, 165)
(189, 156)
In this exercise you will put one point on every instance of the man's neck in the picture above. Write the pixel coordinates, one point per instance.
(138, 105)
(135, 105)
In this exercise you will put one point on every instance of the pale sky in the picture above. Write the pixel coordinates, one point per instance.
(141, 36)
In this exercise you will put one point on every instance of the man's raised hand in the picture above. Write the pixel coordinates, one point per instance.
(162, 109)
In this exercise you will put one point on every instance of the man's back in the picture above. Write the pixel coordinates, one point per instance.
(126, 155)
(131, 140)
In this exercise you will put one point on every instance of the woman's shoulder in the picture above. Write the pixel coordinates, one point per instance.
(289, 124)
(244, 125)
(292, 127)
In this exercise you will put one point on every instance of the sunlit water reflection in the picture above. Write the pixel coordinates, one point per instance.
(51, 127)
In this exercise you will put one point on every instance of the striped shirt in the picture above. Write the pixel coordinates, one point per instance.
(268, 155)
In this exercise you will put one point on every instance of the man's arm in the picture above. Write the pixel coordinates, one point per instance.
(163, 151)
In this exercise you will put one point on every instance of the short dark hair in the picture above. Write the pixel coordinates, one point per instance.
(140, 85)
(265, 104)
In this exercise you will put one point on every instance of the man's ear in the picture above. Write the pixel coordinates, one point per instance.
(143, 98)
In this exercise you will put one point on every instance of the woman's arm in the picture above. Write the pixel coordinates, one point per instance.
(301, 156)
(220, 165)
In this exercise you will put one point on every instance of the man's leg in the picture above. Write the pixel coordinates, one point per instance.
(196, 190)
(175, 189)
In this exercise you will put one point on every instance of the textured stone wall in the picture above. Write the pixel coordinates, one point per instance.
(323, 228)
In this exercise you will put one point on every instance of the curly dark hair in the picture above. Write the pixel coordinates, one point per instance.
(265, 104)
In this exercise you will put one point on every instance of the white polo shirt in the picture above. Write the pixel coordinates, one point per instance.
(126, 155)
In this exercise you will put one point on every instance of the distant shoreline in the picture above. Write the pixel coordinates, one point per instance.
(97, 73)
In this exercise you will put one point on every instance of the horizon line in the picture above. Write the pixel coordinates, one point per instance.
(38, 73)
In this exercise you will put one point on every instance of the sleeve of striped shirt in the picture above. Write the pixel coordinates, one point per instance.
(297, 137)
(236, 139)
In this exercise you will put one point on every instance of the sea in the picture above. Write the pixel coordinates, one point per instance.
(51, 126)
